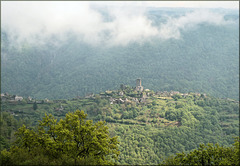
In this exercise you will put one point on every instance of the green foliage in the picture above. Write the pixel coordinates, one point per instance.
(72, 140)
(176, 97)
(8, 125)
(207, 155)
(35, 106)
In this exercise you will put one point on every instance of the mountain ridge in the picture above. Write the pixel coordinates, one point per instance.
(204, 59)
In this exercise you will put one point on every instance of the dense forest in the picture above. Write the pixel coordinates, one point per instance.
(150, 126)
(204, 59)
(208, 155)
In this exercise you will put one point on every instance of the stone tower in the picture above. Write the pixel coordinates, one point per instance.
(138, 82)
(139, 86)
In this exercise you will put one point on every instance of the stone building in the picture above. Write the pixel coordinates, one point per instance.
(139, 86)
(18, 98)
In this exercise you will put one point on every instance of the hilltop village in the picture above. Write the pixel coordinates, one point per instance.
(138, 94)
(125, 94)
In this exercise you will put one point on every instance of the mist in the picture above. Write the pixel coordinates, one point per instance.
(35, 22)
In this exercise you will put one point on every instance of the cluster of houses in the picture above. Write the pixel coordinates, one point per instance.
(172, 93)
(126, 100)
(169, 94)
(16, 98)
(139, 88)
(6, 96)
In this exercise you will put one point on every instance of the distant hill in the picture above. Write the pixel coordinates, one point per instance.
(205, 59)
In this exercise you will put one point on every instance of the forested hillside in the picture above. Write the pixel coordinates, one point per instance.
(150, 126)
(204, 58)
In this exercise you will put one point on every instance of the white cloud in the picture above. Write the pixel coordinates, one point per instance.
(128, 22)
(129, 25)
(172, 28)
(26, 19)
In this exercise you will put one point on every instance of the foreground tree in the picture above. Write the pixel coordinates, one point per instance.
(208, 155)
(73, 140)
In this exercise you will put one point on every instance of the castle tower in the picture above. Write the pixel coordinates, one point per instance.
(138, 82)
(139, 86)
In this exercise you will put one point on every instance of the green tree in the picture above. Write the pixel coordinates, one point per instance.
(35, 106)
(73, 140)
(176, 97)
(207, 155)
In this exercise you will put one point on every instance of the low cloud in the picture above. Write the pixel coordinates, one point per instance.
(172, 28)
(35, 21)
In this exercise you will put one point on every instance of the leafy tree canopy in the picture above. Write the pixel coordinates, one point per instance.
(208, 155)
(72, 140)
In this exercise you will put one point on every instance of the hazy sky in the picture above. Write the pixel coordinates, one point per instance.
(129, 23)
